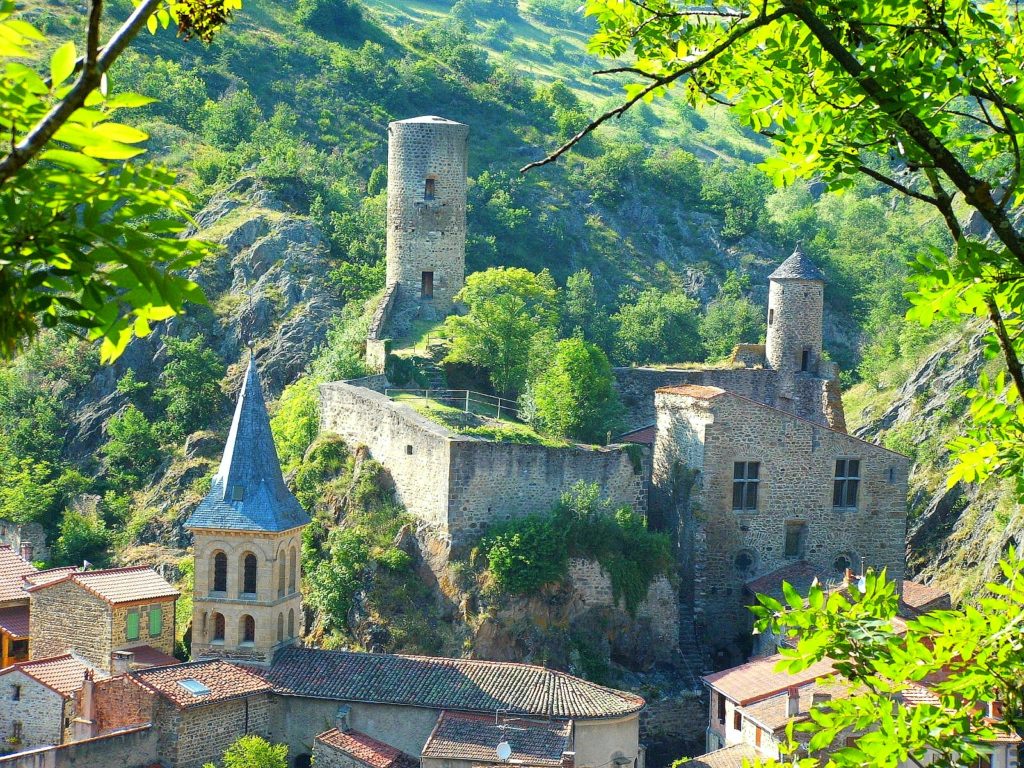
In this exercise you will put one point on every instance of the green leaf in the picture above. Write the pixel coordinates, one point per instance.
(62, 63)
(74, 160)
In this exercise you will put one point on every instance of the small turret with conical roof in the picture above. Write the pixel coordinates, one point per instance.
(795, 310)
(247, 538)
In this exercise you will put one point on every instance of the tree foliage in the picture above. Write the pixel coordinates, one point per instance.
(573, 395)
(132, 450)
(89, 241)
(658, 327)
(731, 319)
(254, 752)
(967, 657)
(190, 384)
(507, 307)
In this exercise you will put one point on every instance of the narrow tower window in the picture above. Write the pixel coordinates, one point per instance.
(427, 285)
(280, 574)
(249, 575)
(291, 622)
(220, 572)
(293, 571)
(428, 188)
(771, 316)
(280, 627)
(218, 627)
(248, 629)
(805, 360)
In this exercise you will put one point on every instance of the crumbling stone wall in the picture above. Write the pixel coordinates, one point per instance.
(458, 485)
(797, 468)
(64, 614)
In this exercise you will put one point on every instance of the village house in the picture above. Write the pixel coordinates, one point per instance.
(14, 634)
(341, 747)
(103, 611)
(37, 699)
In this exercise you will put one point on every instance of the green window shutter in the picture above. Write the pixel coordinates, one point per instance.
(132, 628)
(156, 620)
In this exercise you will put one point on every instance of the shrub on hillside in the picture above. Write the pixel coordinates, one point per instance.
(328, 17)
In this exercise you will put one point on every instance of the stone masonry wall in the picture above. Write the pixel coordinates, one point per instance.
(492, 482)
(797, 468)
(427, 232)
(40, 710)
(134, 748)
(413, 448)
(64, 615)
(189, 738)
(657, 615)
(119, 702)
(795, 311)
(162, 642)
(325, 756)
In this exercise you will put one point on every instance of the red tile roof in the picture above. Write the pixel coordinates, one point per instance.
(148, 656)
(45, 577)
(698, 391)
(460, 736)
(366, 749)
(773, 712)
(735, 756)
(758, 679)
(924, 597)
(642, 436)
(440, 683)
(12, 568)
(63, 674)
(14, 620)
(118, 585)
(225, 681)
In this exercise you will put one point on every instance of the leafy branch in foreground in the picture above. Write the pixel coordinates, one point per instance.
(89, 238)
(925, 97)
(964, 659)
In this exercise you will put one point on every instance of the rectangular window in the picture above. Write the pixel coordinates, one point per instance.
(427, 285)
(745, 477)
(737, 721)
(132, 625)
(721, 708)
(428, 189)
(845, 486)
(771, 316)
(757, 737)
(16, 693)
(16, 730)
(156, 620)
(796, 535)
(805, 360)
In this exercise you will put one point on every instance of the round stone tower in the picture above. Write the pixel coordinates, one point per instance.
(426, 254)
(795, 307)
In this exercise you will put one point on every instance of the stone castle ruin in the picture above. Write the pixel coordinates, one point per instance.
(748, 465)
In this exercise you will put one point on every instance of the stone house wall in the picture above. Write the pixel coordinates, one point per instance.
(797, 468)
(270, 607)
(119, 702)
(188, 738)
(325, 756)
(40, 710)
(63, 615)
(134, 748)
(162, 642)
(458, 485)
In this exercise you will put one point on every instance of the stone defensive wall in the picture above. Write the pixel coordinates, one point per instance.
(459, 484)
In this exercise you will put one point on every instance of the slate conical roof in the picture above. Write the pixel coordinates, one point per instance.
(797, 267)
(248, 492)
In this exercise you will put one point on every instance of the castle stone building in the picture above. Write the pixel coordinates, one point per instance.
(426, 218)
(247, 539)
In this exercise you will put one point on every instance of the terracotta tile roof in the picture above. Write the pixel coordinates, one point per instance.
(642, 436)
(773, 712)
(14, 621)
(924, 597)
(12, 568)
(460, 736)
(148, 656)
(800, 574)
(439, 683)
(729, 757)
(118, 585)
(692, 390)
(758, 679)
(63, 674)
(45, 577)
(224, 681)
(366, 749)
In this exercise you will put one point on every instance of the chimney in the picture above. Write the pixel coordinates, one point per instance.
(848, 577)
(26, 551)
(122, 662)
(568, 759)
(820, 697)
(84, 725)
(341, 718)
(793, 702)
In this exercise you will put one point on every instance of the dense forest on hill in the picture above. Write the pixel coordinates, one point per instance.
(278, 129)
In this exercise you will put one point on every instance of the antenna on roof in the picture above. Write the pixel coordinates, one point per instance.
(504, 749)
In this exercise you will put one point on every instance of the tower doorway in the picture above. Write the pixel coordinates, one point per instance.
(427, 285)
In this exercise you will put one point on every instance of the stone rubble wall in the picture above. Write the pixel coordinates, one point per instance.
(119, 702)
(192, 737)
(797, 470)
(162, 642)
(64, 614)
(796, 309)
(15, 534)
(134, 748)
(40, 710)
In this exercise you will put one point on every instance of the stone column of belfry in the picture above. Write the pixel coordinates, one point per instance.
(426, 226)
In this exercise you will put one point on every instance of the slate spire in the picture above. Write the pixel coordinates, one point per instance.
(248, 492)
(797, 267)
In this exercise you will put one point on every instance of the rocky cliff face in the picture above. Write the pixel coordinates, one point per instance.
(956, 534)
